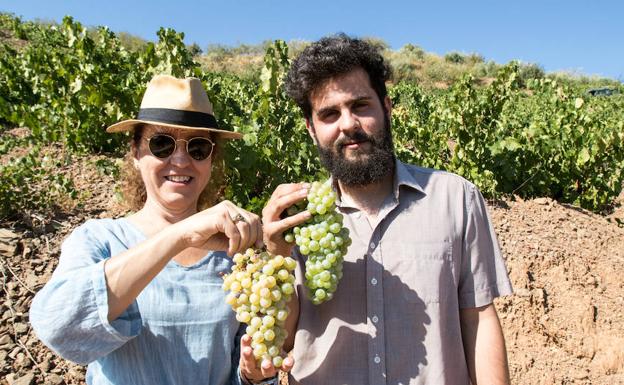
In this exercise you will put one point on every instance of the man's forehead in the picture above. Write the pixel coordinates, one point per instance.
(350, 86)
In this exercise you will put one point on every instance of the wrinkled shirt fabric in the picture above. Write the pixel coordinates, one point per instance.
(394, 318)
(179, 330)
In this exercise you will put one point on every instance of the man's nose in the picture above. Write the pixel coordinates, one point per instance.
(348, 122)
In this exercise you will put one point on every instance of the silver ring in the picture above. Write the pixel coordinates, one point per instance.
(239, 218)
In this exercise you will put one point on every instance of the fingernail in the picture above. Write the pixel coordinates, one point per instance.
(306, 185)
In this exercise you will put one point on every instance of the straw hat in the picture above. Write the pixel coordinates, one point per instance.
(178, 103)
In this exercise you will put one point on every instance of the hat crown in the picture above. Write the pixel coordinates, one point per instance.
(177, 103)
(165, 91)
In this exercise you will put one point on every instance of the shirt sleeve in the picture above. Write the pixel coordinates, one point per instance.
(483, 274)
(70, 313)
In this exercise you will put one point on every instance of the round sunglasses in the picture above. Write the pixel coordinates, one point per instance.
(163, 145)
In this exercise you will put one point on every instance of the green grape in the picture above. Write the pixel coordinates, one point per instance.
(278, 361)
(322, 239)
(260, 286)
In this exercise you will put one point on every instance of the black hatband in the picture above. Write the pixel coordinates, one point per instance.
(178, 117)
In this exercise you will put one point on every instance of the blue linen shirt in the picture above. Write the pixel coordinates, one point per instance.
(179, 330)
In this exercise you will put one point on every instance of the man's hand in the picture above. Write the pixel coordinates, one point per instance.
(273, 226)
(250, 371)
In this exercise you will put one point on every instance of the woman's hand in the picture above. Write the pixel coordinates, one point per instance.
(250, 370)
(284, 196)
(224, 226)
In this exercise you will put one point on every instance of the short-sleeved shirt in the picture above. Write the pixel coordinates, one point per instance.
(179, 330)
(394, 318)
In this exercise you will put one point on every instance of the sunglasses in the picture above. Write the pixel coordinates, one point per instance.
(163, 145)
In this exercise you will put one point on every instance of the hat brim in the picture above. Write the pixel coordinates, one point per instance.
(127, 125)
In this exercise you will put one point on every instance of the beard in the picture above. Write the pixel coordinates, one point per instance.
(367, 166)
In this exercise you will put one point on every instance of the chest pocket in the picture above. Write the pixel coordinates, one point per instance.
(421, 272)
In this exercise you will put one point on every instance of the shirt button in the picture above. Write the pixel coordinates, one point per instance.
(377, 359)
(372, 245)
(374, 281)
(375, 319)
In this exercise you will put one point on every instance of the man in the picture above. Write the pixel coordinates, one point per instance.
(414, 305)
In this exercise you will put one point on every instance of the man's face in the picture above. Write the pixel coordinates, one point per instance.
(351, 129)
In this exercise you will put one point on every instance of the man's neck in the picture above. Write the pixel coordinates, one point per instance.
(367, 198)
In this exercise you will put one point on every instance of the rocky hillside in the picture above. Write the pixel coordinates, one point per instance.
(564, 325)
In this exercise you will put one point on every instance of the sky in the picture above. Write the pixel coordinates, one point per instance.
(582, 37)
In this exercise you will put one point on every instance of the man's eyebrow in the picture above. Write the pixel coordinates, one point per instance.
(354, 100)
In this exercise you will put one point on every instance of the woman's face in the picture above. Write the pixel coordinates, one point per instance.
(174, 183)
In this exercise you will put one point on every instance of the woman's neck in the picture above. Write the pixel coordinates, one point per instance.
(153, 217)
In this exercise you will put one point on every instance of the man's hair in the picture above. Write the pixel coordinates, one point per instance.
(333, 56)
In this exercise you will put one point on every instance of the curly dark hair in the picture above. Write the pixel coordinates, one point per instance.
(133, 189)
(332, 56)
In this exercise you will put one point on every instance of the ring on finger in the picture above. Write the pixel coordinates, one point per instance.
(239, 218)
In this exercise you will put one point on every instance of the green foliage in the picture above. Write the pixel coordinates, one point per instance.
(61, 87)
(378, 43)
(413, 51)
(33, 183)
(548, 140)
(569, 147)
(519, 133)
(110, 167)
(276, 147)
(69, 85)
(131, 42)
(455, 58)
(9, 142)
(529, 72)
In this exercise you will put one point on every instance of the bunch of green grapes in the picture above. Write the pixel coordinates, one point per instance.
(323, 240)
(260, 286)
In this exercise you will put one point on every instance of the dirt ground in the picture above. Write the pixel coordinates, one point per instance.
(563, 325)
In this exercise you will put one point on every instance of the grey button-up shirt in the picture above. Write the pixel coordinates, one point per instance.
(395, 316)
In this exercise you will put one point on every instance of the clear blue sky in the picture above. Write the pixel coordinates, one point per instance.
(586, 37)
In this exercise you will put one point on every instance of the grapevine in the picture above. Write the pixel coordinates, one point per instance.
(260, 286)
(543, 137)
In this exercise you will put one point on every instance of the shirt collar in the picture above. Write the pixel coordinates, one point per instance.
(402, 177)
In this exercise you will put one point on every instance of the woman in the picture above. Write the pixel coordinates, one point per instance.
(139, 298)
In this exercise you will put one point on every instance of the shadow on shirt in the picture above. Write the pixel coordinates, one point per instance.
(349, 358)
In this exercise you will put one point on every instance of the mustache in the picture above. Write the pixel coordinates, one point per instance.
(358, 136)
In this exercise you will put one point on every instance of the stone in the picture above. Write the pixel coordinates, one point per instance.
(20, 327)
(26, 379)
(5, 340)
(54, 379)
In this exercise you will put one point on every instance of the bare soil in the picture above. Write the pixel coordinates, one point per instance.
(563, 325)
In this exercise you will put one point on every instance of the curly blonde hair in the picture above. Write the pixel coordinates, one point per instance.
(133, 188)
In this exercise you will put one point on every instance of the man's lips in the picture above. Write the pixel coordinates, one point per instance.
(353, 145)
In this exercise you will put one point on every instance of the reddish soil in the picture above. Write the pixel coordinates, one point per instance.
(564, 325)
